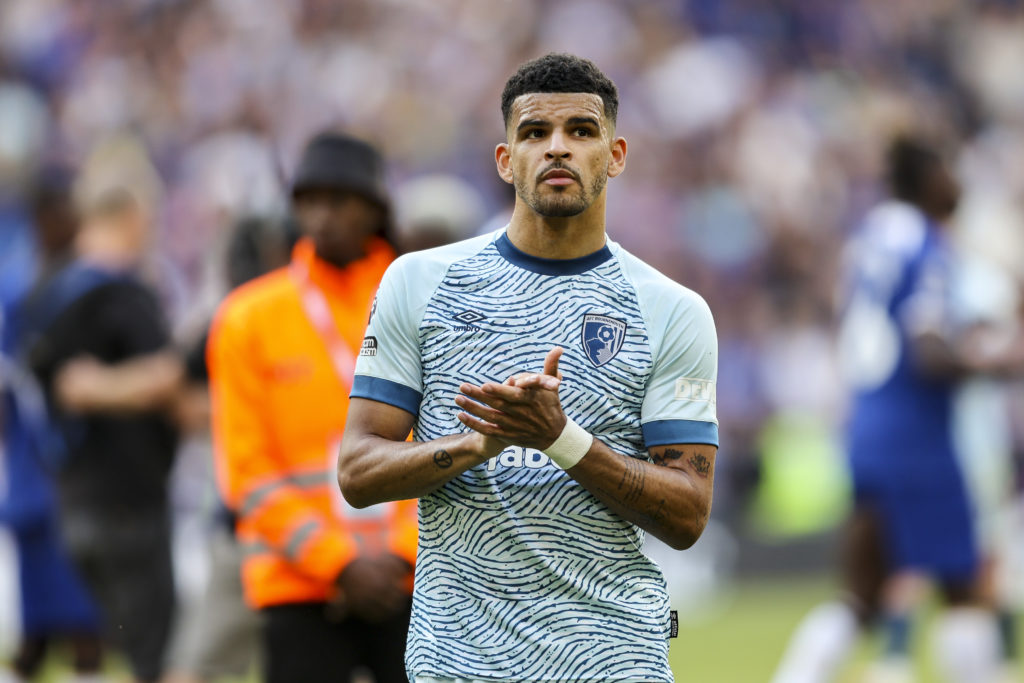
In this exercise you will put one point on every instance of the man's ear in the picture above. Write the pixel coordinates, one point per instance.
(503, 160)
(618, 162)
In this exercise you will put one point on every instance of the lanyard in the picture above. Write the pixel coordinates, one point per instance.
(314, 303)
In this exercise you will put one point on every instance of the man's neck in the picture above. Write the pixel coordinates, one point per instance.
(558, 238)
(106, 249)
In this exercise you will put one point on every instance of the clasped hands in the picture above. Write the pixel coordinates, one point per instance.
(525, 410)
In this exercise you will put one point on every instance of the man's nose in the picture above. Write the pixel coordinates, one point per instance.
(316, 216)
(558, 147)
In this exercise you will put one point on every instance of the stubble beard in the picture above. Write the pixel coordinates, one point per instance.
(560, 202)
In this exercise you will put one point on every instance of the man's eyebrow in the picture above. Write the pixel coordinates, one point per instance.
(583, 120)
(531, 123)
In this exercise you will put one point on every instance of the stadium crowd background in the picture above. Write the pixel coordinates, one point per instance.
(756, 131)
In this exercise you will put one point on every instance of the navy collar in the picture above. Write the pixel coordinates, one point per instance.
(550, 266)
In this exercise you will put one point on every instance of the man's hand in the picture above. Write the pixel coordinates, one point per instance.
(523, 411)
(371, 588)
(78, 381)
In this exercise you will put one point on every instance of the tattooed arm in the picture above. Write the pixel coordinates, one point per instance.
(670, 497)
(376, 464)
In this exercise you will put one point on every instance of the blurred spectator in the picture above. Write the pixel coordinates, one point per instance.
(219, 636)
(332, 582)
(55, 605)
(97, 340)
(434, 210)
(905, 352)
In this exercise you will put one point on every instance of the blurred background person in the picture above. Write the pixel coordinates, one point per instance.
(912, 520)
(97, 340)
(54, 605)
(436, 209)
(218, 636)
(333, 583)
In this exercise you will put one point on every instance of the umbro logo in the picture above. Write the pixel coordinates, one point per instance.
(467, 318)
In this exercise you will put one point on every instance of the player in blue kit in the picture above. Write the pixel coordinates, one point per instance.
(904, 352)
(562, 396)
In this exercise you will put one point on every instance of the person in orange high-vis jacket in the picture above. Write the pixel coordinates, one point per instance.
(332, 582)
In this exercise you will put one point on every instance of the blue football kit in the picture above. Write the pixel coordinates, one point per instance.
(899, 433)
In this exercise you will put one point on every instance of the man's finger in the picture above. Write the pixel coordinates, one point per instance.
(493, 394)
(535, 380)
(551, 362)
(477, 425)
(478, 410)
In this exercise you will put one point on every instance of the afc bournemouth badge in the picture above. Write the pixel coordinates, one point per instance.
(602, 337)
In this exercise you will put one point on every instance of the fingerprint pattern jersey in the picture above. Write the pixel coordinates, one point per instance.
(522, 574)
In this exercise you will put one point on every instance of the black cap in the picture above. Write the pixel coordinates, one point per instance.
(336, 161)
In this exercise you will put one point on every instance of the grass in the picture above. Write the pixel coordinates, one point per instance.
(741, 635)
(742, 638)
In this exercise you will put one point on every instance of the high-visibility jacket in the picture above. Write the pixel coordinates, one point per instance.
(279, 408)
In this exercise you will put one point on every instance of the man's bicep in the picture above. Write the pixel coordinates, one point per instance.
(695, 459)
(367, 417)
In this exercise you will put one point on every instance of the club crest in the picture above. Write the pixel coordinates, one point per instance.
(602, 337)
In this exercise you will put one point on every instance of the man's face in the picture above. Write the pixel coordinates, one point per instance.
(943, 192)
(339, 223)
(561, 150)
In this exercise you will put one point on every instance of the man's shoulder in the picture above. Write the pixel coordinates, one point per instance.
(894, 227)
(84, 290)
(654, 287)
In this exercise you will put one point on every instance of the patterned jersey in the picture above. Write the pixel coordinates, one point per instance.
(522, 574)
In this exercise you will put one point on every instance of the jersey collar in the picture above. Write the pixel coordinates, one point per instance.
(550, 266)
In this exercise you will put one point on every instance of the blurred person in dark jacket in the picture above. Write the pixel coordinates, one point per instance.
(97, 341)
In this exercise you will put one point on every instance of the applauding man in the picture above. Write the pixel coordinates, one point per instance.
(562, 396)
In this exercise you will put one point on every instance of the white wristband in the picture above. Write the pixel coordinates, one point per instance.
(570, 446)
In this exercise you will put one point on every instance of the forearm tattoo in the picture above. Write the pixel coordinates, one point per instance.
(443, 459)
(631, 486)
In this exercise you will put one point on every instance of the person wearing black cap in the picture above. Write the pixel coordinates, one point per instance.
(333, 584)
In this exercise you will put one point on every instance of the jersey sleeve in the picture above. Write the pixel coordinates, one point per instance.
(926, 310)
(679, 404)
(389, 367)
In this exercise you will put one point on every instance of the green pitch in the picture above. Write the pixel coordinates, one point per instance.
(742, 639)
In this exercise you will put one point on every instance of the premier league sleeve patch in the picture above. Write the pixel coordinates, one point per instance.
(602, 337)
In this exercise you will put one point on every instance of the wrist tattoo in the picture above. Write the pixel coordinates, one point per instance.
(443, 459)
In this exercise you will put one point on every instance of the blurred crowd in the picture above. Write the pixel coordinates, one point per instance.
(755, 128)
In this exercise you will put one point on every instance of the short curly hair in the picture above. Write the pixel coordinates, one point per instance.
(556, 72)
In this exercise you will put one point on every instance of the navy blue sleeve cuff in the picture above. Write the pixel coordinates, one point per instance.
(386, 391)
(665, 432)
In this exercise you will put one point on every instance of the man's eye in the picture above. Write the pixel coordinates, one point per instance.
(536, 133)
(581, 132)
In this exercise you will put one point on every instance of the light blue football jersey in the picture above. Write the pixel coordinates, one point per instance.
(522, 574)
